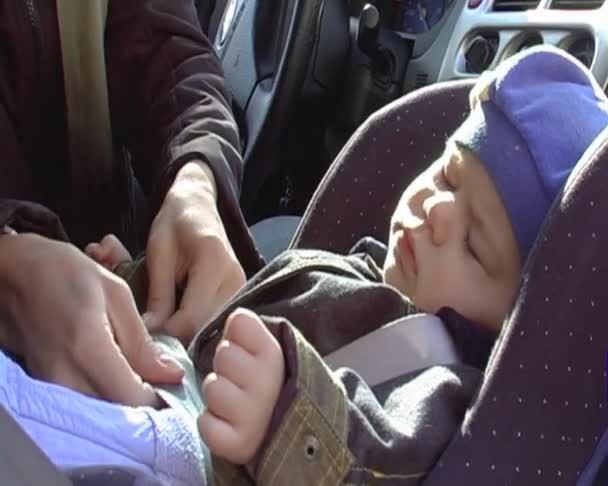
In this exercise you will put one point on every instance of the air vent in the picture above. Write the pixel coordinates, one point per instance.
(480, 52)
(582, 47)
(422, 79)
(577, 4)
(515, 5)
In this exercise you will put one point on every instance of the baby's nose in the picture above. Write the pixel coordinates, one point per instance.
(440, 212)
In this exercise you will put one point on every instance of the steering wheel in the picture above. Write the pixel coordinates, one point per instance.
(265, 47)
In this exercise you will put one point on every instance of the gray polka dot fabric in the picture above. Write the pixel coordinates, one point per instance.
(542, 407)
(361, 189)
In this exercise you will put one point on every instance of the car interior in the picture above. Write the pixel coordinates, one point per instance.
(307, 74)
(302, 87)
(403, 69)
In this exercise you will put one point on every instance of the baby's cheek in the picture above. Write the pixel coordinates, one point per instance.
(425, 301)
(436, 289)
(391, 275)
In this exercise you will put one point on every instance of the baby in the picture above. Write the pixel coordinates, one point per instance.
(458, 239)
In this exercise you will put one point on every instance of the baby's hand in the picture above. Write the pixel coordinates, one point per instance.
(109, 252)
(242, 393)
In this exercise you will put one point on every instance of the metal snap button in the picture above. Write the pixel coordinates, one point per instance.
(311, 447)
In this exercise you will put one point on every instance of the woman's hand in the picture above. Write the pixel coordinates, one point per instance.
(188, 246)
(76, 324)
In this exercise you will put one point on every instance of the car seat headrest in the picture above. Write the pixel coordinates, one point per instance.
(542, 406)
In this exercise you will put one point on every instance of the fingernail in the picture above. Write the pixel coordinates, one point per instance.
(168, 362)
(223, 343)
(150, 321)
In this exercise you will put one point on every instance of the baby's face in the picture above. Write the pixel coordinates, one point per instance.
(451, 242)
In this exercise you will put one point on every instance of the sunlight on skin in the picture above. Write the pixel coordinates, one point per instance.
(451, 242)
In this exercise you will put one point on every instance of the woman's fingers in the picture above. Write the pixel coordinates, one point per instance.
(134, 340)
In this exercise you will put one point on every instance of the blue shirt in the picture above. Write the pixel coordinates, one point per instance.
(75, 430)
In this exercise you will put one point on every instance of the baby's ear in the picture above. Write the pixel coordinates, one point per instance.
(481, 90)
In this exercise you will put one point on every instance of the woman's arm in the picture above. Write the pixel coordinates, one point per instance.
(170, 105)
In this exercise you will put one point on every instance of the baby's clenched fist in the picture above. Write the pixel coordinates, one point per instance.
(249, 371)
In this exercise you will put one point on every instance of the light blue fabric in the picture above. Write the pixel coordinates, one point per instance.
(76, 431)
(541, 110)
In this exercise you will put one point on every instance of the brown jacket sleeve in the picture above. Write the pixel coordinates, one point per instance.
(28, 217)
(331, 428)
(16, 187)
(170, 105)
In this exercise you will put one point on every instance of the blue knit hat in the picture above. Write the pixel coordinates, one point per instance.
(532, 118)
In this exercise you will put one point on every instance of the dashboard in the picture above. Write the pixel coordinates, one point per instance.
(458, 39)
(406, 16)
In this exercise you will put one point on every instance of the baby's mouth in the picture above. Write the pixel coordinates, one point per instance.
(406, 250)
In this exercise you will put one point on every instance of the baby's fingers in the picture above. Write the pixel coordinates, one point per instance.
(222, 438)
(114, 251)
(246, 329)
(96, 252)
(109, 252)
(226, 424)
(225, 400)
(237, 365)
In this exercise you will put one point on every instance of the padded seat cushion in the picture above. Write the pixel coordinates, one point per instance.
(542, 406)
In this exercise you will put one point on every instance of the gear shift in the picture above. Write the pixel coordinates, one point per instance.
(367, 39)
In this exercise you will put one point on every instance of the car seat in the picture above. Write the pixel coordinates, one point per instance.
(541, 409)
